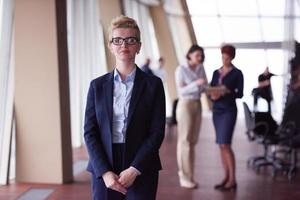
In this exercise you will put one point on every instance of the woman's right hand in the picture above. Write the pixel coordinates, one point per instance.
(217, 94)
(111, 181)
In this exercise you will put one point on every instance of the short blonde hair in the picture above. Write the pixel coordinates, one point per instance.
(123, 22)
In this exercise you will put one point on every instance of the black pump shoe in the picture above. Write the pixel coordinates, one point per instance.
(220, 186)
(232, 187)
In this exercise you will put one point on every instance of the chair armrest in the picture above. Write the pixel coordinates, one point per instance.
(265, 131)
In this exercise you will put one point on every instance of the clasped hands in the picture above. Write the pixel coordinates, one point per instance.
(120, 182)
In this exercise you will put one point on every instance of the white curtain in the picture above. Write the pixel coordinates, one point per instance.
(180, 54)
(174, 13)
(139, 11)
(6, 86)
(86, 58)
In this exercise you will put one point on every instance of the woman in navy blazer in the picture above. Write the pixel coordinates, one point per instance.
(123, 135)
(231, 80)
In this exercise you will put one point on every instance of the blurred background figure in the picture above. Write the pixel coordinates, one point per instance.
(146, 67)
(264, 89)
(161, 71)
(190, 81)
(225, 112)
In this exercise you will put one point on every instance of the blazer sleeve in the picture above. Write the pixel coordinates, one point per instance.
(150, 146)
(239, 90)
(97, 156)
(214, 79)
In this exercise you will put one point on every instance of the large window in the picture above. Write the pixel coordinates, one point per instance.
(6, 87)
(259, 30)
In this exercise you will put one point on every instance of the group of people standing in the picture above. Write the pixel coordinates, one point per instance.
(125, 118)
(159, 71)
(226, 85)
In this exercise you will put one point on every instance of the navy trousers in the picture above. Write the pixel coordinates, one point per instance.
(143, 188)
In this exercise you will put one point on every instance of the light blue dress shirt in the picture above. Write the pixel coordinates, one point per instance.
(121, 100)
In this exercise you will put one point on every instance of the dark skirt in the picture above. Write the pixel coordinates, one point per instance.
(224, 123)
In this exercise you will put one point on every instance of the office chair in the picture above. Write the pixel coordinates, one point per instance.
(261, 128)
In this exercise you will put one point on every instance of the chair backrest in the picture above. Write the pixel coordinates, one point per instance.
(265, 117)
(249, 118)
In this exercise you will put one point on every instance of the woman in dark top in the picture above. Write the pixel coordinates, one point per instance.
(230, 79)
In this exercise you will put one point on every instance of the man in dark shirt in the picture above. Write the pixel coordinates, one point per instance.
(264, 89)
(146, 67)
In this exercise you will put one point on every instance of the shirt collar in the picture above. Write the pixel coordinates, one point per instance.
(130, 77)
(197, 67)
(231, 68)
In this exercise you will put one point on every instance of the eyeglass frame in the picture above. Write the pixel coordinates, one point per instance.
(124, 40)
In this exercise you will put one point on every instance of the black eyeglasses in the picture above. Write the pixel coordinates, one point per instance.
(129, 40)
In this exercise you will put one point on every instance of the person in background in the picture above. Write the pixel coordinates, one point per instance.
(292, 108)
(124, 122)
(225, 112)
(264, 89)
(161, 71)
(146, 67)
(190, 81)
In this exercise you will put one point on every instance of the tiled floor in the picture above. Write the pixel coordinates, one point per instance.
(251, 186)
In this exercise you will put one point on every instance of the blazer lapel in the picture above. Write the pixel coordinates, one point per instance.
(136, 92)
(108, 93)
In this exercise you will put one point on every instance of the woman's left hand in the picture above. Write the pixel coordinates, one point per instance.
(215, 96)
(127, 177)
(224, 90)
